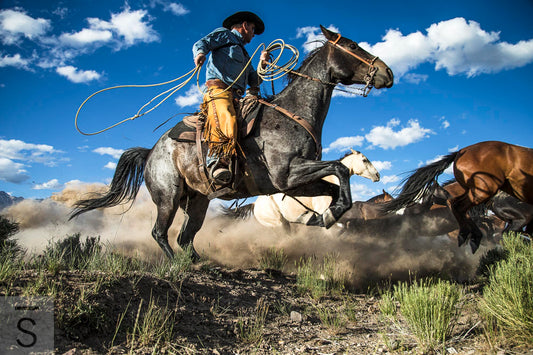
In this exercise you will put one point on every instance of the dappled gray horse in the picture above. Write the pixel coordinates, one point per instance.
(279, 156)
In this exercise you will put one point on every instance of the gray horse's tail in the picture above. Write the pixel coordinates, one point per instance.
(419, 183)
(129, 176)
(242, 212)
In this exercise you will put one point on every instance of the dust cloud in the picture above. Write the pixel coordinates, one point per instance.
(392, 248)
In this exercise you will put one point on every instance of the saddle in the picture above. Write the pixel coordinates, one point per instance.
(190, 130)
(248, 110)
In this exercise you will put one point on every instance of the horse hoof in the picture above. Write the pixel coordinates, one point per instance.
(315, 220)
(305, 217)
(328, 218)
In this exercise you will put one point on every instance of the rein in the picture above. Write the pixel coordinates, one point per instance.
(298, 120)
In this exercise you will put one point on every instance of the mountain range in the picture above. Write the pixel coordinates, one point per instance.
(7, 200)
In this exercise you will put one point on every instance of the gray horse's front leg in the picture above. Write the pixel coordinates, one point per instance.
(305, 177)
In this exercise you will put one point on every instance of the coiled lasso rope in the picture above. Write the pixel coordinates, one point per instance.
(271, 72)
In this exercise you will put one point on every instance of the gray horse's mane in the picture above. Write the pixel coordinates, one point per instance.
(291, 76)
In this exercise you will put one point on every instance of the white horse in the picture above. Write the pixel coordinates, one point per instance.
(278, 210)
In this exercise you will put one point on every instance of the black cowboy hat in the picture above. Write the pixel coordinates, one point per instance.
(241, 16)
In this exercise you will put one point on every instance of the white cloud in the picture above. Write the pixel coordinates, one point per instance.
(85, 37)
(123, 29)
(414, 78)
(192, 97)
(14, 61)
(456, 45)
(49, 185)
(111, 165)
(453, 149)
(361, 192)
(177, 9)
(15, 24)
(401, 53)
(462, 47)
(344, 143)
(76, 75)
(389, 179)
(386, 138)
(12, 172)
(129, 25)
(18, 150)
(382, 165)
(313, 36)
(115, 153)
(445, 124)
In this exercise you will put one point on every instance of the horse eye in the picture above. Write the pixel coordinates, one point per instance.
(353, 45)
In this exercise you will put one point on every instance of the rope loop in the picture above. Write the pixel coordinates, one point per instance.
(270, 72)
(140, 112)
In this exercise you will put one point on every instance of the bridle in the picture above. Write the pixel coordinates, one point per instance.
(372, 69)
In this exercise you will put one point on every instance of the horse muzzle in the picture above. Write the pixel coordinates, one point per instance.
(384, 78)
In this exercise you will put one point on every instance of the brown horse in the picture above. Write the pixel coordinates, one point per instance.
(369, 209)
(481, 170)
(515, 213)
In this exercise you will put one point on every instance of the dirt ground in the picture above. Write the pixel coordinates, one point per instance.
(215, 308)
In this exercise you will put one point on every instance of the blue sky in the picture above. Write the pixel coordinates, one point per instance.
(462, 75)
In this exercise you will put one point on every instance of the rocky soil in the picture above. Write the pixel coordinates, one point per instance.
(215, 311)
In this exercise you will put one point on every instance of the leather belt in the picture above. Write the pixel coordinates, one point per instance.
(217, 83)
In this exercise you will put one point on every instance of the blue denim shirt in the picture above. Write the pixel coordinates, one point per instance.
(226, 61)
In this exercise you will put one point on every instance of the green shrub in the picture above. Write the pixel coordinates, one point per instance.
(9, 248)
(273, 260)
(387, 304)
(153, 324)
(319, 279)
(507, 299)
(332, 318)
(69, 253)
(251, 330)
(173, 270)
(430, 308)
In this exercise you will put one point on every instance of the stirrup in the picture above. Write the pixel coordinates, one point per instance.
(220, 175)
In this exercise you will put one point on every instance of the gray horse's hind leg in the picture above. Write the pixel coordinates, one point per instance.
(194, 210)
(165, 216)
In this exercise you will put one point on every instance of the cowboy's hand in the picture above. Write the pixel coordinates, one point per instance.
(199, 60)
(265, 57)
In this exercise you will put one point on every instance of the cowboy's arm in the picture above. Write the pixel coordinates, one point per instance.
(203, 46)
(254, 80)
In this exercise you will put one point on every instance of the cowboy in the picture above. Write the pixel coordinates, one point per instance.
(227, 76)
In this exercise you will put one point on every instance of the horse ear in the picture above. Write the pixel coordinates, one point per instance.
(353, 151)
(330, 35)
